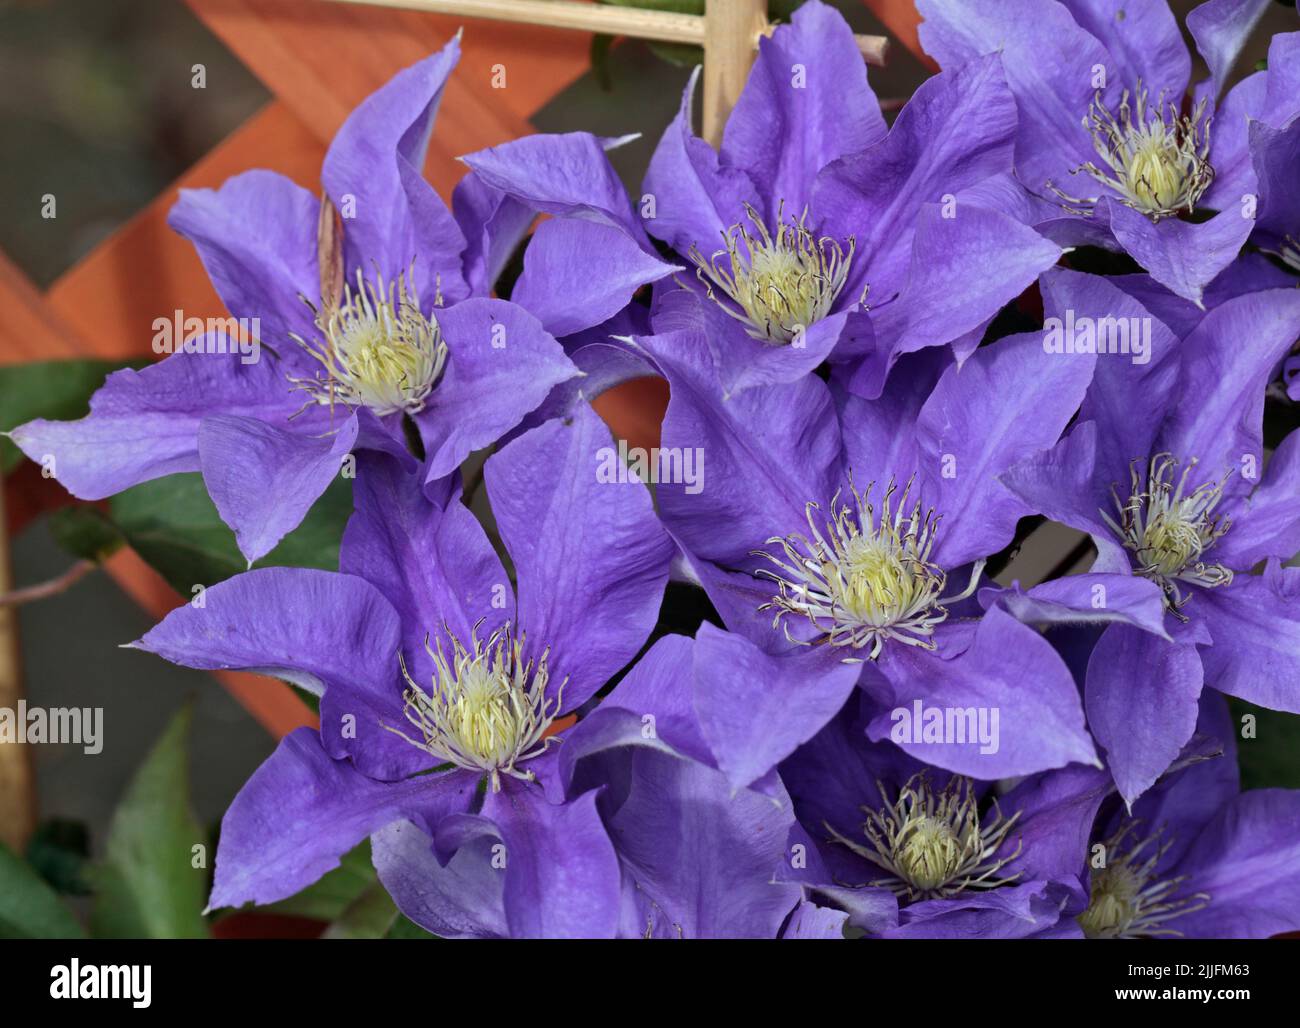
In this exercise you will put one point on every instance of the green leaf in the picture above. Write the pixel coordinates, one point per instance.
(682, 55)
(59, 390)
(85, 532)
(147, 886)
(1272, 758)
(29, 908)
(600, 47)
(369, 916)
(175, 527)
(328, 898)
(58, 851)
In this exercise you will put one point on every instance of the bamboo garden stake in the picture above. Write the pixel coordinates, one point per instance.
(728, 31)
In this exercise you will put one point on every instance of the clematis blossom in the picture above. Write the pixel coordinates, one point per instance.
(441, 691)
(1165, 471)
(900, 849)
(814, 232)
(1110, 142)
(840, 540)
(391, 334)
(1196, 857)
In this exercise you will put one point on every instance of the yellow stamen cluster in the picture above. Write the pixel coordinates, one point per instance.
(1154, 160)
(1125, 898)
(781, 285)
(378, 350)
(934, 844)
(1168, 528)
(487, 709)
(861, 582)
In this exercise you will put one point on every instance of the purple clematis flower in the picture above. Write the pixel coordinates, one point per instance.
(814, 232)
(440, 688)
(406, 332)
(898, 850)
(1165, 471)
(902, 850)
(1105, 141)
(837, 536)
(1197, 857)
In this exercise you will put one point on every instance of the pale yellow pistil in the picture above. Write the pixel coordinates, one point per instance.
(777, 286)
(861, 581)
(1126, 899)
(1168, 528)
(488, 708)
(934, 844)
(378, 350)
(1153, 160)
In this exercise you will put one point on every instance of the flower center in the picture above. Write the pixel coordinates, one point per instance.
(861, 582)
(1168, 528)
(1153, 160)
(1125, 898)
(934, 844)
(781, 285)
(487, 709)
(379, 350)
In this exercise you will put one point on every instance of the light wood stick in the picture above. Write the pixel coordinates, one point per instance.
(731, 31)
(17, 786)
(661, 26)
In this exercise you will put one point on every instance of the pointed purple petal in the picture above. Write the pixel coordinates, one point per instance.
(263, 479)
(1181, 255)
(1049, 62)
(145, 424)
(436, 567)
(702, 854)
(302, 810)
(501, 365)
(561, 877)
(1141, 697)
(374, 174)
(561, 288)
(696, 199)
(1256, 626)
(756, 708)
(1008, 402)
(591, 557)
(955, 132)
(261, 274)
(1037, 728)
(462, 899)
(566, 175)
(941, 299)
(1220, 28)
(806, 103)
(1144, 42)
